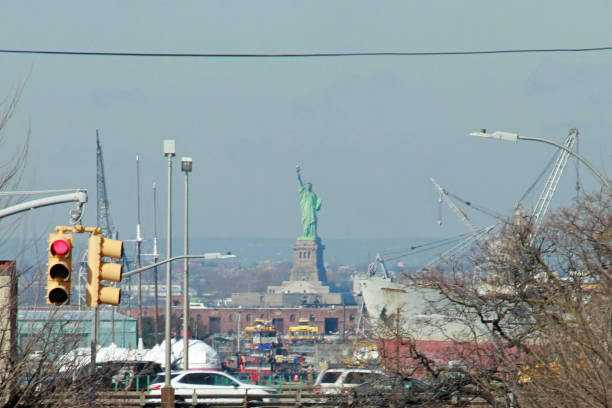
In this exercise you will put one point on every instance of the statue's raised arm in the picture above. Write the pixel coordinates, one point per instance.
(297, 169)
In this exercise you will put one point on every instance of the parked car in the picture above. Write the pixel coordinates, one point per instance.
(210, 387)
(341, 380)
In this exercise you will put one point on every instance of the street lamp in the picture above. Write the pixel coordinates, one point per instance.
(514, 137)
(186, 166)
(167, 391)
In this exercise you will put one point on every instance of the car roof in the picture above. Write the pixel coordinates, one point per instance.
(346, 370)
(127, 362)
(198, 371)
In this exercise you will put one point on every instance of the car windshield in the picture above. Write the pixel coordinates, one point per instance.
(207, 379)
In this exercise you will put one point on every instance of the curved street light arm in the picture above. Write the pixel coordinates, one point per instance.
(514, 137)
(605, 182)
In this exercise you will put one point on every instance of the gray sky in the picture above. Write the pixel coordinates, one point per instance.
(368, 131)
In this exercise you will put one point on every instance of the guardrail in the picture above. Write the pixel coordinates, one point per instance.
(290, 397)
(304, 397)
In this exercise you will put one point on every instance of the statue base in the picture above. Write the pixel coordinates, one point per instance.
(308, 261)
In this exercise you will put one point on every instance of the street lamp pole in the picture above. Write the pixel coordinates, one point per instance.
(167, 390)
(186, 166)
(207, 257)
(514, 137)
(167, 396)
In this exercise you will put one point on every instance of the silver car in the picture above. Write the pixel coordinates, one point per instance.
(341, 380)
(205, 386)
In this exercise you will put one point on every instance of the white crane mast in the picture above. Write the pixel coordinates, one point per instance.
(553, 180)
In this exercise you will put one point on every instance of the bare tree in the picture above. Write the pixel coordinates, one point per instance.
(12, 163)
(538, 308)
(32, 374)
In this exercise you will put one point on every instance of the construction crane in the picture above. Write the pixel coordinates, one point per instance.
(103, 210)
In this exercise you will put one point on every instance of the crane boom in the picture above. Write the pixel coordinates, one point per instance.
(460, 214)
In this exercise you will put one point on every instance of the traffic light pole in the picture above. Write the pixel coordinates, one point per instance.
(94, 341)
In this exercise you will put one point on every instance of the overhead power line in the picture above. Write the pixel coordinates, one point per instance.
(304, 55)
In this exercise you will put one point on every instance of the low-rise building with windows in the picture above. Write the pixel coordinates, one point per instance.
(39, 327)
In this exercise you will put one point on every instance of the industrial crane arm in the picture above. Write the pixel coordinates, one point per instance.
(462, 216)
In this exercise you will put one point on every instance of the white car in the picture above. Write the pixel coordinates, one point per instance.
(209, 387)
(340, 381)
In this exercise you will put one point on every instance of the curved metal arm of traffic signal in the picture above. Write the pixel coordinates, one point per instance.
(80, 196)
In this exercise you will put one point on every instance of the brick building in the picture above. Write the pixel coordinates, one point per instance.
(230, 320)
(329, 320)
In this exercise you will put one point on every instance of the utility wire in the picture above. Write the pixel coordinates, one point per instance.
(304, 55)
(486, 211)
(390, 255)
(538, 179)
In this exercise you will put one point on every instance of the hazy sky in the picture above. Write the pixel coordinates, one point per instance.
(368, 131)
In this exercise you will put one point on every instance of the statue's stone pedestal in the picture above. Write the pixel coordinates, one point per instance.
(308, 261)
(305, 286)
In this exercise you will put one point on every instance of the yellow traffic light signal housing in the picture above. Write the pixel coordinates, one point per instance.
(59, 269)
(97, 270)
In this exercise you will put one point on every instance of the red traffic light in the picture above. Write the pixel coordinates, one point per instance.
(60, 247)
(59, 268)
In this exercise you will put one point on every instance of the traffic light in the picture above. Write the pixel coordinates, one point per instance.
(97, 270)
(59, 269)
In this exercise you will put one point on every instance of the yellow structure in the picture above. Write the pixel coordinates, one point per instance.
(261, 333)
(98, 270)
(303, 332)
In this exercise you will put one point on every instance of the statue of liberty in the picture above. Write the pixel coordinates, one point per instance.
(310, 204)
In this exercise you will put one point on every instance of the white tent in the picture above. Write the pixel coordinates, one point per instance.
(201, 355)
(116, 353)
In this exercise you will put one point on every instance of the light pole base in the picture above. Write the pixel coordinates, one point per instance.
(167, 397)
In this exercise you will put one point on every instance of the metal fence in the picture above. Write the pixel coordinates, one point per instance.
(291, 396)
